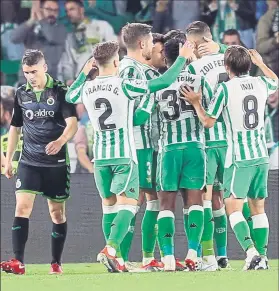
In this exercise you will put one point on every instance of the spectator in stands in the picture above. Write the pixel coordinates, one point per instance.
(42, 32)
(222, 15)
(268, 37)
(232, 37)
(80, 42)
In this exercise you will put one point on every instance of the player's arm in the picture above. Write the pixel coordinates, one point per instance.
(13, 138)
(270, 78)
(144, 110)
(211, 47)
(216, 106)
(207, 91)
(74, 94)
(69, 114)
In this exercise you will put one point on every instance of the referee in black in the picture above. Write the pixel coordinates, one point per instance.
(47, 122)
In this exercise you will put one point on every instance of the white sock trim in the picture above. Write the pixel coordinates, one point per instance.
(235, 218)
(207, 204)
(110, 209)
(131, 208)
(246, 200)
(260, 221)
(153, 205)
(185, 211)
(219, 212)
(165, 213)
(195, 207)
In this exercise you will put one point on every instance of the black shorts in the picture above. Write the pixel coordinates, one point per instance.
(51, 182)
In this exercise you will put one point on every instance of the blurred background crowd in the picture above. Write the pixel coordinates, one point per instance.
(66, 31)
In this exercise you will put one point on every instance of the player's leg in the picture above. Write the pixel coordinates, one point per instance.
(247, 215)
(149, 227)
(219, 212)
(193, 178)
(56, 188)
(125, 185)
(257, 194)
(144, 157)
(168, 175)
(28, 184)
(237, 183)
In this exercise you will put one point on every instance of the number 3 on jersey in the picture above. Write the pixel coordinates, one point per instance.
(177, 105)
(108, 111)
(250, 109)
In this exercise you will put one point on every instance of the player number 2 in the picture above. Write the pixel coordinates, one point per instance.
(250, 108)
(108, 111)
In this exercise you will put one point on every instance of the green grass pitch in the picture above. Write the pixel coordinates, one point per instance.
(93, 277)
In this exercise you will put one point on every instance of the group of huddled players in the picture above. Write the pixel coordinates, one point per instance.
(197, 130)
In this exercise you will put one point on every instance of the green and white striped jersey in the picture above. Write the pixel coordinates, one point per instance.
(179, 123)
(152, 73)
(242, 101)
(212, 67)
(109, 102)
(131, 69)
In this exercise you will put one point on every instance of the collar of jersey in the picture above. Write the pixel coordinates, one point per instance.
(49, 83)
(242, 76)
(103, 77)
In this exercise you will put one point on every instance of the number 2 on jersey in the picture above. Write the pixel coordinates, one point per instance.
(105, 115)
(250, 108)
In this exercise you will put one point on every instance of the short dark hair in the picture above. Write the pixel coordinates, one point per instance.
(197, 28)
(104, 51)
(238, 59)
(78, 2)
(132, 32)
(158, 37)
(32, 57)
(231, 32)
(171, 48)
(174, 33)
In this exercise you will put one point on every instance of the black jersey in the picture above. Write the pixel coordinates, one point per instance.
(42, 118)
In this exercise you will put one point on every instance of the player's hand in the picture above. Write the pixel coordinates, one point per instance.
(186, 50)
(208, 47)
(8, 170)
(190, 96)
(256, 57)
(88, 66)
(54, 147)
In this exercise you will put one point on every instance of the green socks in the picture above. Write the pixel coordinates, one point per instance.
(127, 242)
(195, 226)
(120, 225)
(220, 231)
(241, 230)
(261, 233)
(109, 213)
(208, 231)
(149, 228)
(247, 216)
(166, 231)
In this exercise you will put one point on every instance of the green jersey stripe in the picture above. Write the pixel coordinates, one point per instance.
(197, 131)
(122, 149)
(241, 146)
(191, 69)
(169, 131)
(96, 144)
(249, 143)
(179, 131)
(104, 144)
(112, 144)
(144, 141)
(188, 129)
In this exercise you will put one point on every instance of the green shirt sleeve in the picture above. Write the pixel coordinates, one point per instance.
(223, 48)
(74, 94)
(218, 102)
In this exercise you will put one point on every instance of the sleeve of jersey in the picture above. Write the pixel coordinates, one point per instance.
(217, 103)
(17, 119)
(74, 94)
(190, 69)
(129, 73)
(168, 77)
(144, 110)
(271, 85)
(68, 110)
(134, 88)
(223, 48)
